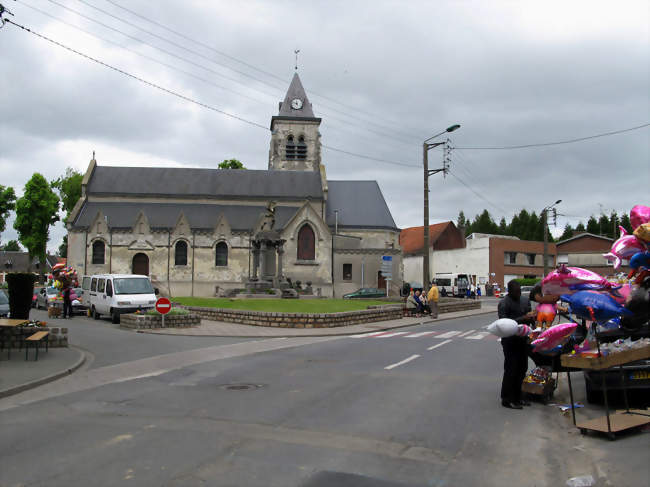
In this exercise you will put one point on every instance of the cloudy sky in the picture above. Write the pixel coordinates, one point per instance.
(383, 76)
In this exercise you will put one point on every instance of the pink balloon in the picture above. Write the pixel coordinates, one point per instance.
(638, 215)
(554, 336)
(568, 280)
(624, 248)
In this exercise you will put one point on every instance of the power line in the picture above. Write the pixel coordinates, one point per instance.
(137, 78)
(386, 132)
(477, 194)
(187, 98)
(570, 141)
(186, 37)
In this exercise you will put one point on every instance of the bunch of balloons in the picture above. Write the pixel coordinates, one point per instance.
(592, 297)
(62, 274)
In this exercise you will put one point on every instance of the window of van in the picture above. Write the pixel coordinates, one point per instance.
(109, 288)
(93, 284)
(85, 284)
(133, 285)
(101, 285)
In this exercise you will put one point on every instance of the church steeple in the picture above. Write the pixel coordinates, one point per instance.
(296, 103)
(295, 139)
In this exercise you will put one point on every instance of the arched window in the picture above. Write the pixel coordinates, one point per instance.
(180, 253)
(306, 243)
(301, 148)
(98, 252)
(291, 148)
(221, 255)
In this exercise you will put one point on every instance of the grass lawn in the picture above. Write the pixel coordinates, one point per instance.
(282, 305)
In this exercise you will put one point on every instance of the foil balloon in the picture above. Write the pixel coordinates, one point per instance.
(642, 232)
(621, 293)
(594, 306)
(639, 215)
(554, 336)
(624, 248)
(639, 262)
(546, 313)
(523, 330)
(567, 280)
(504, 327)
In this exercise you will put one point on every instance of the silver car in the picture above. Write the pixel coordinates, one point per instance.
(4, 304)
(45, 296)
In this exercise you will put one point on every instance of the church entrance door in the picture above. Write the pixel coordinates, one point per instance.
(381, 281)
(140, 264)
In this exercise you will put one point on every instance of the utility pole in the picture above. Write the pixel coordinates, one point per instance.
(427, 172)
(545, 212)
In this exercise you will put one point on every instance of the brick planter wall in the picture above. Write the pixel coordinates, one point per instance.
(58, 336)
(298, 320)
(139, 322)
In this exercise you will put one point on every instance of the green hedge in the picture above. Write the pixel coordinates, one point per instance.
(21, 292)
(528, 281)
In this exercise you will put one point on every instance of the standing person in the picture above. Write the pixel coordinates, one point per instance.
(67, 302)
(515, 349)
(432, 296)
(478, 292)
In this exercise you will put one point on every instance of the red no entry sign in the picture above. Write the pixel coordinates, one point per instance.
(163, 306)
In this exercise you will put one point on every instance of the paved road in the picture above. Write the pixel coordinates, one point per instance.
(416, 407)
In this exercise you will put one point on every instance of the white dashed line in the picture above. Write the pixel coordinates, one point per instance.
(388, 335)
(412, 357)
(478, 336)
(421, 334)
(449, 334)
(466, 333)
(439, 344)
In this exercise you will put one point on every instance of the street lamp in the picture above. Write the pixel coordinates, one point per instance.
(545, 213)
(427, 172)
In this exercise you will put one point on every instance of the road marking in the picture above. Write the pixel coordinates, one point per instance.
(394, 334)
(478, 336)
(421, 334)
(412, 357)
(439, 344)
(371, 334)
(449, 334)
(466, 333)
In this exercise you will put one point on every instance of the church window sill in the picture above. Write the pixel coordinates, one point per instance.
(306, 262)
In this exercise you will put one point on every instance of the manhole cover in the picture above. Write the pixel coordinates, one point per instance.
(241, 387)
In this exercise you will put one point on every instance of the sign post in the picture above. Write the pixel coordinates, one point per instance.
(387, 270)
(163, 306)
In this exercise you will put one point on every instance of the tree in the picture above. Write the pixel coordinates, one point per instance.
(612, 229)
(11, 246)
(625, 223)
(7, 204)
(69, 189)
(35, 212)
(231, 164)
(592, 225)
(568, 232)
(580, 227)
(63, 248)
(503, 226)
(484, 223)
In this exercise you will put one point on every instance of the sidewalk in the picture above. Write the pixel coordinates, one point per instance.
(223, 329)
(17, 374)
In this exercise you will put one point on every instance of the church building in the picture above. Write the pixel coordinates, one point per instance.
(190, 230)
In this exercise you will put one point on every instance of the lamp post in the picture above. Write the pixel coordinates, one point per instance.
(545, 213)
(427, 172)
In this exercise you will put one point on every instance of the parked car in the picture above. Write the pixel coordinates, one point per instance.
(4, 304)
(46, 296)
(366, 292)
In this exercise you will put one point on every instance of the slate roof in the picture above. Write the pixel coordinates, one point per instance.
(19, 261)
(296, 90)
(165, 215)
(360, 203)
(205, 183)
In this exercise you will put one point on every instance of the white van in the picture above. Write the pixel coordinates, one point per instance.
(116, 294)
(453, 283)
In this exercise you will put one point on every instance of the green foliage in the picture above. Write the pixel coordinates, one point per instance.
(231, 164)
(461, 221)
(568, 232)
(625, 223)
(7, 204)
(592, 225)
(11, 246)
(580, 227)
(63, 248)
(282, 305)
(35, 212)
(21, 292)
(69, 188)
(527, 281)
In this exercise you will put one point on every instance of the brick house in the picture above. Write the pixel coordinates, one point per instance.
(586, 250)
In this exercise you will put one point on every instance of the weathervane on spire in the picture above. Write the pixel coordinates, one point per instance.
(296, 53)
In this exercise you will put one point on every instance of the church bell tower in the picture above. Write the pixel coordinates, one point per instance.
(295, 139)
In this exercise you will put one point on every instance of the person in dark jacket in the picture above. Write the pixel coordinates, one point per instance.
(515, 348)
(67, 302)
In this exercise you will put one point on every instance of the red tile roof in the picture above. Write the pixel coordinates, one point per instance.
(412, 239)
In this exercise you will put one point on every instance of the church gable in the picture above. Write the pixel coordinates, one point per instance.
(306, 215)
(182, 227)
(222, 230)
(99, 225)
